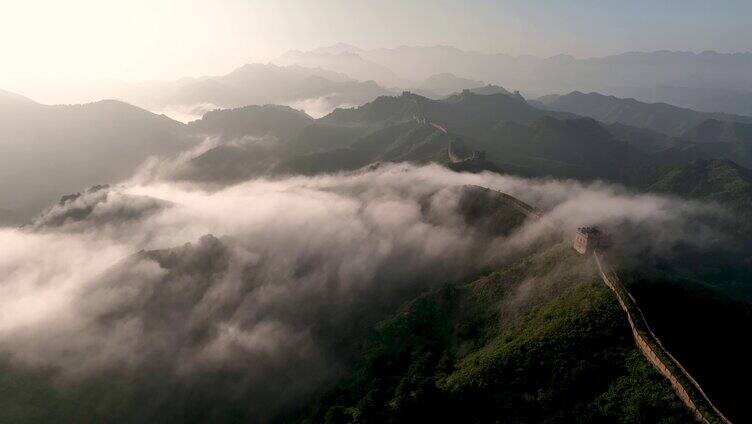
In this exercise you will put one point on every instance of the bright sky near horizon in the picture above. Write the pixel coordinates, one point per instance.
(164, 39)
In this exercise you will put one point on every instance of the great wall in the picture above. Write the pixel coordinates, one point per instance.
(455, 152)
(684, 385)
(516, 203)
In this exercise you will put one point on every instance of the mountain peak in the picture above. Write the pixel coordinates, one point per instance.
(714, 130)
(719, 180)
(9, 98)
(661, 117)
(338, 48)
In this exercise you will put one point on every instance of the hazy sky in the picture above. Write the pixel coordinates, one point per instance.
(162, 39)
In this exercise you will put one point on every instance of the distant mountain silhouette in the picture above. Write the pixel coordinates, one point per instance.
(259, 84)
(515, 136)
(490, 89)
(661, 117)
(561, 73)
(463, 112)
(255, 121)
(48, 151)
(734, 100)
(445, 84)
(344, 61)
(713, 139)
(643, 139)
(9, 100)
(715, 131)
(338, 48)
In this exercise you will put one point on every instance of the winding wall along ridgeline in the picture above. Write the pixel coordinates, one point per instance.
(454, 156)
(686, 387)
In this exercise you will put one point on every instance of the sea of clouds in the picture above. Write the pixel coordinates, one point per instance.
(269, 278)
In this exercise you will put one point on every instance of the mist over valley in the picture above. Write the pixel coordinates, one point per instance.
(468, 213)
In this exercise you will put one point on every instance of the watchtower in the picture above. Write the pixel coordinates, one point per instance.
(479, 155)
(587, 239)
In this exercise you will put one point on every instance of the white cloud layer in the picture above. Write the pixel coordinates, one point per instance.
(293, 264)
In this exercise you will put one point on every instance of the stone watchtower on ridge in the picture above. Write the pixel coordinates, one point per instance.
(479, 155)
(587, 239)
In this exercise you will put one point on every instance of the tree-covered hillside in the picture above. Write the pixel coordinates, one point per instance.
(253, 121)
(540, 340)
(47, 151)
(516, 137)
(660, 117)
(711, 180)
(703, 327)
(713, 139)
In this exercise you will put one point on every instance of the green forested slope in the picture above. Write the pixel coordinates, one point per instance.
(540, 340)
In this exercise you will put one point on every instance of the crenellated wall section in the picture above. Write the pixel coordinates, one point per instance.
(685, 386)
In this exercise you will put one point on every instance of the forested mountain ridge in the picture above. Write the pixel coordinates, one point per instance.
(49, 151)
(512, 344)
(660, 117)
(514, 135)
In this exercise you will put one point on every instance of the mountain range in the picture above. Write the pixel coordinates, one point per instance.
(316, 89)
(474, 352)
(441, 85)
(707, 81)
(49, 151)
(535, 339)
(515, 135)
(659, 117)
(343, 75)
(629, 142)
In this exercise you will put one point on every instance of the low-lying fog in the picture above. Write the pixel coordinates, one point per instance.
(266, 277)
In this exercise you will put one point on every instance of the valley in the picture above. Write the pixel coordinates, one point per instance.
(375, 212)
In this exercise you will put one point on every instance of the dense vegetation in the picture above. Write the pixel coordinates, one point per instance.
(256, 121)
(49, 151)
(540, 340)
(704, 328)
(657, 148)
(517, 138)
(660, 117)
(468, 353)
(716, 180)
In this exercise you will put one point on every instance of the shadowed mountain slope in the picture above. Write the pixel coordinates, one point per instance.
(514, 135)
(715, 131)
(660, 117)
(713, 139)
(255, 121)
(540, 340)
(258, 84)
(445, 83)
(464, 113)
(571, 148)
(700, 312)
(715, 180)
(47, 151)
